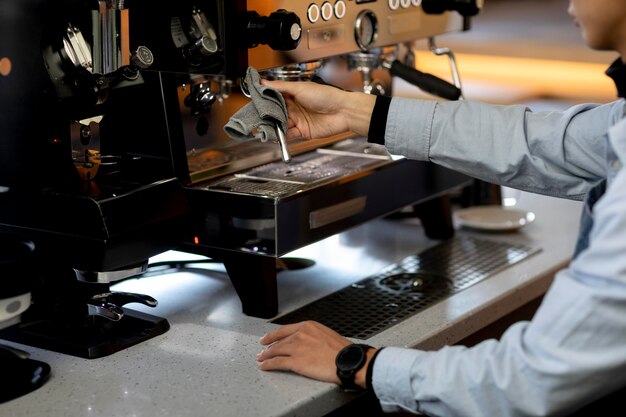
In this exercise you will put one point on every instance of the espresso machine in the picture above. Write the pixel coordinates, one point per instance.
(113, 148)
(249, 207)
(86, 171)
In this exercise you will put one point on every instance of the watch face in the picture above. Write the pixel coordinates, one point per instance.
(350, 358)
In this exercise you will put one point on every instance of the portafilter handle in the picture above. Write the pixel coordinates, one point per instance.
(426, 82)
(108, 305)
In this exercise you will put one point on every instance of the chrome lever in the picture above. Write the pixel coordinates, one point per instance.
(282, 142)
(280, 134)
(453, 67)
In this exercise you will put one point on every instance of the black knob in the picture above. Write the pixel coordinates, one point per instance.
(142, 58)
(280, 30)
(464, 7)
(201, 98)
(197, 51)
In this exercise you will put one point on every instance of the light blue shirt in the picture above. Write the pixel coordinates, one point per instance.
(574, 349)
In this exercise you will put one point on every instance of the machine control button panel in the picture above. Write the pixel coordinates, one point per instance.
(327, 10)
(313, 13)
(336, 27)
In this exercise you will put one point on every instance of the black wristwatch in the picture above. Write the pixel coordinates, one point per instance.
(349, 361)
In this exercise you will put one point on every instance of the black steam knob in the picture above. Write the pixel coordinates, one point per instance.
(464, 7)
(280, 30)
(201, 98)
(142, 58)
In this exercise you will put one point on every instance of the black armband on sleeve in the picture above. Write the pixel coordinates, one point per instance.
(378, 121)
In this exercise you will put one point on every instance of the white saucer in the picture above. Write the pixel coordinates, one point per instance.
(495, 218)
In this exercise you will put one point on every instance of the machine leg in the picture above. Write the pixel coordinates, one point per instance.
(436, 217)
(254, 279)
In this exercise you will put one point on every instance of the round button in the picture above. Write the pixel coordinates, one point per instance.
(5, 66)
(295, 31)
(405, 3)
(340, 9)
(327, 10)
(416, 3)
(394, 4)
(313, 13)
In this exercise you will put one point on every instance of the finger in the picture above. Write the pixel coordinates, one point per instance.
(280, 363)
(294, 133)
(291, 117)
(282, 86)
(279, 333)
(284, 347)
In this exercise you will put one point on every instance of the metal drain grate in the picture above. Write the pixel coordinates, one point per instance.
(399, 291)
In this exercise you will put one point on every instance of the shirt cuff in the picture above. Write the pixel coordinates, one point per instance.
(392, 381)
(409, 127)
(378, 121)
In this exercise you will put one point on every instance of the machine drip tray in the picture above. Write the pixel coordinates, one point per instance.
(401, 290)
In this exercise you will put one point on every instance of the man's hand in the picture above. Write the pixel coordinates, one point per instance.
(306, 348)
(320, 111)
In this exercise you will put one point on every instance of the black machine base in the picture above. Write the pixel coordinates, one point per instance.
(102, 339)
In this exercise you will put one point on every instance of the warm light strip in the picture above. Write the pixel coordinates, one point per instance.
(537, 77)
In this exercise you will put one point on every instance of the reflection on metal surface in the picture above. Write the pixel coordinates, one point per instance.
(305, 171)
(326, 36)
(327, 215)
(401, 290)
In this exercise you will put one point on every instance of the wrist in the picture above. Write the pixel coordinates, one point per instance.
(360, 378)
(357, 110)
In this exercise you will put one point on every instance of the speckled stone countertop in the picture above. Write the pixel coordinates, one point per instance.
(205, 364)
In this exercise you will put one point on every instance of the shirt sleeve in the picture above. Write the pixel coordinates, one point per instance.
(570, 354)
(553, 153)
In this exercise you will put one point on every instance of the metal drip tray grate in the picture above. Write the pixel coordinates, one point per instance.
(401, 290)
(278, 179)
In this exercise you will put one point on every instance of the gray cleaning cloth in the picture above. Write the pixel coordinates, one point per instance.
(258, 119)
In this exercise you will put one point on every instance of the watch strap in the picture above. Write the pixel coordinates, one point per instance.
(370, 371)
